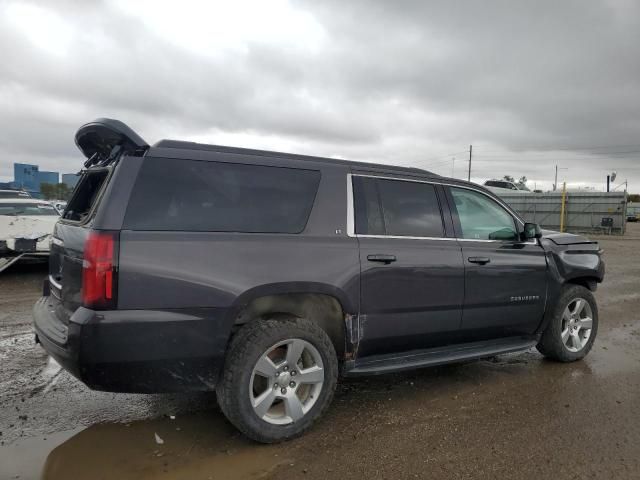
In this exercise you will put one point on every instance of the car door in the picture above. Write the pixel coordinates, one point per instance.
(505, 278)
(412, 278)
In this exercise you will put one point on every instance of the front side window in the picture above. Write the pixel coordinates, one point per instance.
(396, 208)
(482, 218)
(201, 196)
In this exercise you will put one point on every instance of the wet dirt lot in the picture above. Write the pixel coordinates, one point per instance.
(515, 416)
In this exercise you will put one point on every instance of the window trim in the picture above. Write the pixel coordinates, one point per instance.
(351, 211)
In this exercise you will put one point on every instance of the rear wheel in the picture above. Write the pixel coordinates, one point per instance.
(280, 375)
(573, 327)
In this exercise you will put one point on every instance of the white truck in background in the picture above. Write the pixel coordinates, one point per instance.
(26, 226)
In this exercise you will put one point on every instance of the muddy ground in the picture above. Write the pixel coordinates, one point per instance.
(515, 416)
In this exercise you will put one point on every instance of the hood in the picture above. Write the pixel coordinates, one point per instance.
(561, 238)
(31, 226)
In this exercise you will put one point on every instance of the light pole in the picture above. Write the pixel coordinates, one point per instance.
(555, 182)
(610, 178)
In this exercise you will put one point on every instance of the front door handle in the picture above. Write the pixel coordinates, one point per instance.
(479, 260)
(382, 258)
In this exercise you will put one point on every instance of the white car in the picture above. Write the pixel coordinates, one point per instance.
(26, 225)
(505, 186)
(14, 194)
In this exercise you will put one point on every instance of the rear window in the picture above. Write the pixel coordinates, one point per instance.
(201, 196)
(498, 184)
(396, 208)
(28, 209)
(85, 195)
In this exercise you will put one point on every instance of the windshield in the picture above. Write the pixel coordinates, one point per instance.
(498, 184)
(30, 209)
(13, 194)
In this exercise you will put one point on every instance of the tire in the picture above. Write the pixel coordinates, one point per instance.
(249, 376)
(565, 338)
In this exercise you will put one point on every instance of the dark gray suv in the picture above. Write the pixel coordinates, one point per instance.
(266, 276)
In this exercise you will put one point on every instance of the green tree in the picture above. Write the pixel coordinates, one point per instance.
(55, 191)
(634, 197)
(522, 181)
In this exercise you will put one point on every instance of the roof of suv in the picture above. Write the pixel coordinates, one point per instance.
(182, 145)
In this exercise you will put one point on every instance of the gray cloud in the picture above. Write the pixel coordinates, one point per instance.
(530, 84)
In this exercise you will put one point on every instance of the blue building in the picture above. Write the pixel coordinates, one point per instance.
(48, 177)
(29, 177)
(25, 177)
(70, 179)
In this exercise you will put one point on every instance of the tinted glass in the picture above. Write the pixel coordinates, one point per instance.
(410, 209)
(499, 184)
(191, 195)
(482, 218)
(367, 207)
(396, 207)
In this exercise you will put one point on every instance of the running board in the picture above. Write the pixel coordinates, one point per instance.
(379, 364)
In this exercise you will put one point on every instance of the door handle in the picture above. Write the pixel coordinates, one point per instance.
(479, 260)
(386, 259)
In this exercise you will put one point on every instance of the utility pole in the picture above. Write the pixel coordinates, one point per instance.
(470, 152)
(555, 182)
(608, 182)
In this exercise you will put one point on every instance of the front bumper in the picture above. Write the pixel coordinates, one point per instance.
(137, 351)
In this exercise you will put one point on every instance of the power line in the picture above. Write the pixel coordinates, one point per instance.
(447, 155)
(567, 147)
(595, 156)
(438, 163)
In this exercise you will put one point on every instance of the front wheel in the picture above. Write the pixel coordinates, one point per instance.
(572, 330)
(280, 375)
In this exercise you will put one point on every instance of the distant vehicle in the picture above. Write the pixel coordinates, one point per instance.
(14, 194)
(506, 185)
(26, 225)
(633, 217)
(267, 275)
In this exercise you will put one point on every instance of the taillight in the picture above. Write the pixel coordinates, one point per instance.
(99, 268)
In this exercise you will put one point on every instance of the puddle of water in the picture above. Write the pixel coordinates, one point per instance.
(199, 446)
(24, 460)
(616, 352)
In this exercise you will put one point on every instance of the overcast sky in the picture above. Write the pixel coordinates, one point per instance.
(529, 84)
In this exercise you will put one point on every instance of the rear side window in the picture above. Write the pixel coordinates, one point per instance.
(85, 195)
(201, 196)
(396, 208)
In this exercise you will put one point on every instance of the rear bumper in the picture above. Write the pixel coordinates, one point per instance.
(138, 351)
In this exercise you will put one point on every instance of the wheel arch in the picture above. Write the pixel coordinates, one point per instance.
(326, 305)
(589, 282)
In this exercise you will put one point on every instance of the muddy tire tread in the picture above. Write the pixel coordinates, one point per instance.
(550, 344)
(249, 341)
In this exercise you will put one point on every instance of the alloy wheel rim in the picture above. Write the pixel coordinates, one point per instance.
(286, 381)
(577, 323)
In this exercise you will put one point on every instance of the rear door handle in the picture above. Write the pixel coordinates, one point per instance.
(382, 258)
(480, 260)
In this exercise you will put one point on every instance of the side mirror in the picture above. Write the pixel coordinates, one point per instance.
(531, 230)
